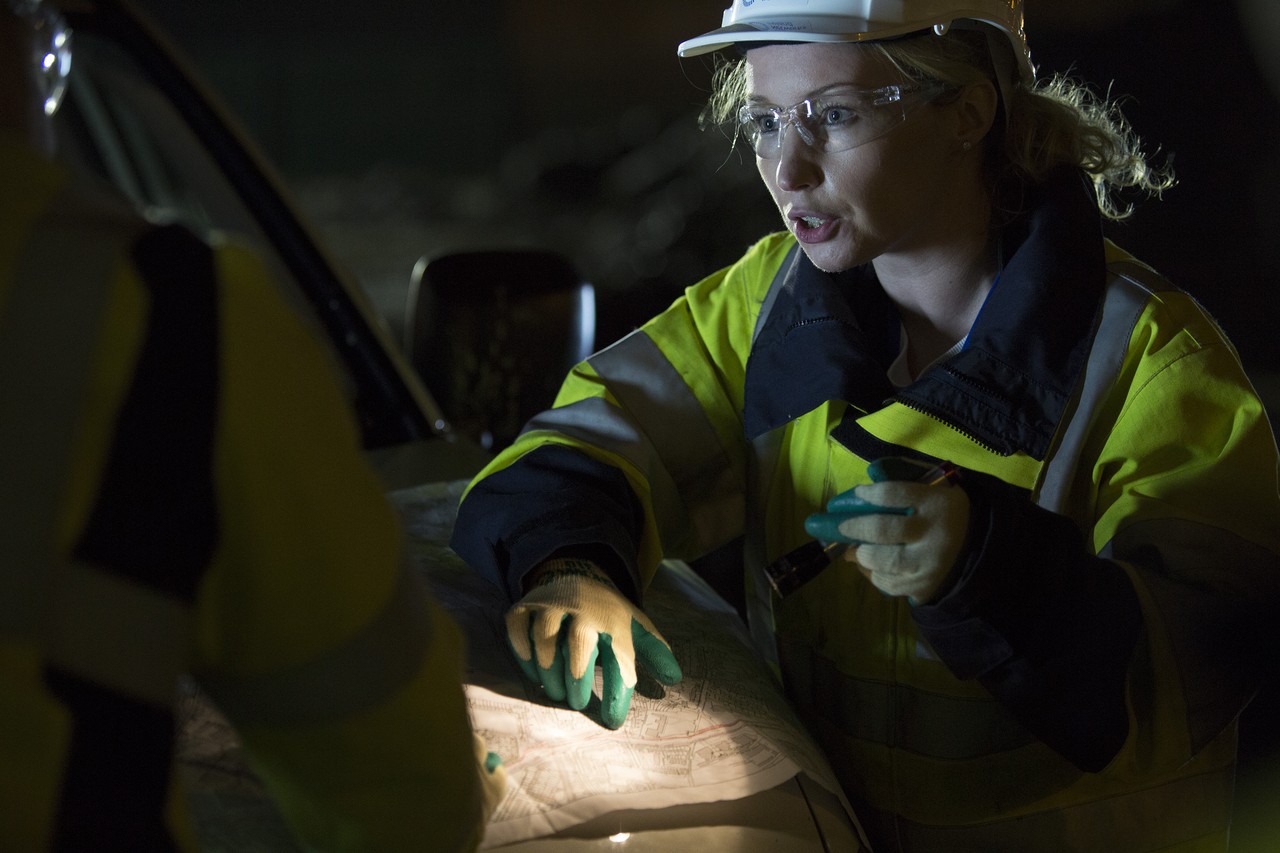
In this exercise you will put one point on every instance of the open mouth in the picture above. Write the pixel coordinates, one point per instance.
(813, 227)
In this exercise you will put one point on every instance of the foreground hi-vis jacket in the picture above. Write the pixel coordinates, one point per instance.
(1076, 686)
(184, 492)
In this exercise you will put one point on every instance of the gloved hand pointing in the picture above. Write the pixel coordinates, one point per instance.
(575, 617)
(909, 541)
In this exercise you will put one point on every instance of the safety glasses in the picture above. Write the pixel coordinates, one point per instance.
(836, 121)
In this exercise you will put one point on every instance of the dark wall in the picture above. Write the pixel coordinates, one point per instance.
(1192, 89)
(571, 124)
(334, 87)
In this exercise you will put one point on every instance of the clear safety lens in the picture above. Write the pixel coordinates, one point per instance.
(837, 121)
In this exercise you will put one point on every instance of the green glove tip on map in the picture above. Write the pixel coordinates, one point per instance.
(655, 655)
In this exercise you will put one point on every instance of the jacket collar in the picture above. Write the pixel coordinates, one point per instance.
(832, 336)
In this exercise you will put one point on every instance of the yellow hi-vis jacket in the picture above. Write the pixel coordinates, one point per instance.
(1076, 686)
(184, 492)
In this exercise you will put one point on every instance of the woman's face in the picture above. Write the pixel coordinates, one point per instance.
(888, 196)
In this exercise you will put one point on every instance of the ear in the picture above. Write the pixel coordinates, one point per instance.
(975, 111)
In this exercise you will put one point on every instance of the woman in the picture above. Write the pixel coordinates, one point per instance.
(1046, 650)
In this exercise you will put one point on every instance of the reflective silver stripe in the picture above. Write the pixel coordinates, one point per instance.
(371, 666)
(1180, 811)
(1125, 299)
(1203, 576)
(117, 633)
(762, 462)
(761, 465)
(677, 430)
(775, 287)
(49, 327)
(598, 423)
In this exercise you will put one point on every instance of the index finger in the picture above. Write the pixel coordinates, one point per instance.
(850, 503)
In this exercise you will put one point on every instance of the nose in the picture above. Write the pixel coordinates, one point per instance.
(797, 165)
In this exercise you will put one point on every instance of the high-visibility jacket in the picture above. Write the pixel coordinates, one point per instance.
(184, 492)
(1076, 686)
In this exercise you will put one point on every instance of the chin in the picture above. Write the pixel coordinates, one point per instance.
(828, 261)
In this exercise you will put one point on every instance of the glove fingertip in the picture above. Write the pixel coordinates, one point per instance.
(656, 655)
(578, 690)
(614, 708)
(665, 667)
(824, 526)
(552, 679)
(669, 674)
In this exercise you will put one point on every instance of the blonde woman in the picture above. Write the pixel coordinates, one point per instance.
(1055, 488)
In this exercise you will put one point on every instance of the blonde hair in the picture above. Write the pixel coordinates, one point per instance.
(1045, 126)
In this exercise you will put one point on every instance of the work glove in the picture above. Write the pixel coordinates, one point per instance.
(906, 528)
(493, 776)
(572, 619)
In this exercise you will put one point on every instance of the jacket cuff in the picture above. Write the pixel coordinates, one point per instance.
(553, 501)
(1043, 624)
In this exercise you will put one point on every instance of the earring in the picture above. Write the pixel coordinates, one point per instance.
(966, 145)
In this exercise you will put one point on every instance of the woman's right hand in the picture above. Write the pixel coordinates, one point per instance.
(573, 618)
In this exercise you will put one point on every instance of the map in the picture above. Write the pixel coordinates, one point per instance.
(724, 732)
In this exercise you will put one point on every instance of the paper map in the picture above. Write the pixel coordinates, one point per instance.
(723, 733)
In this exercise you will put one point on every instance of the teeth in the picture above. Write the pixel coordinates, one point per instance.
(812, 221)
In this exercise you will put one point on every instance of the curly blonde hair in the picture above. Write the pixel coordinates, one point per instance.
(1045, 126)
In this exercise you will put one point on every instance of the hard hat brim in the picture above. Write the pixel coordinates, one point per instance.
(833, 30)
(745, 33)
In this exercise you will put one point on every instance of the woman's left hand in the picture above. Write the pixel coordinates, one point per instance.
(910, 548)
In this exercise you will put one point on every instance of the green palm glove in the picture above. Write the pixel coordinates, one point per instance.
(574, 618)
(907, 527)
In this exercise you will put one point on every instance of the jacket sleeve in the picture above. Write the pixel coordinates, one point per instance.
(642, 454)
(1051, 637)
(552, 499)
(626, 466)
(1134, 635)
(312, 634)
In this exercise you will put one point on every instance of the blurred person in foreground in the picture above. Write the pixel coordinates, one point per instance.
(1047, 647)
(184, 492)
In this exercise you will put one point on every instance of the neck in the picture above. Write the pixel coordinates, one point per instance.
(938, 297)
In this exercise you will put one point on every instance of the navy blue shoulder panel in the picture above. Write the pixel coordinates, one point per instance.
(827, 337)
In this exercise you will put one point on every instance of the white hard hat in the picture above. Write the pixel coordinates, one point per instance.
(859, 20)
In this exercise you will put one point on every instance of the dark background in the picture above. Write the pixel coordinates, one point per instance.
(412, 129)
